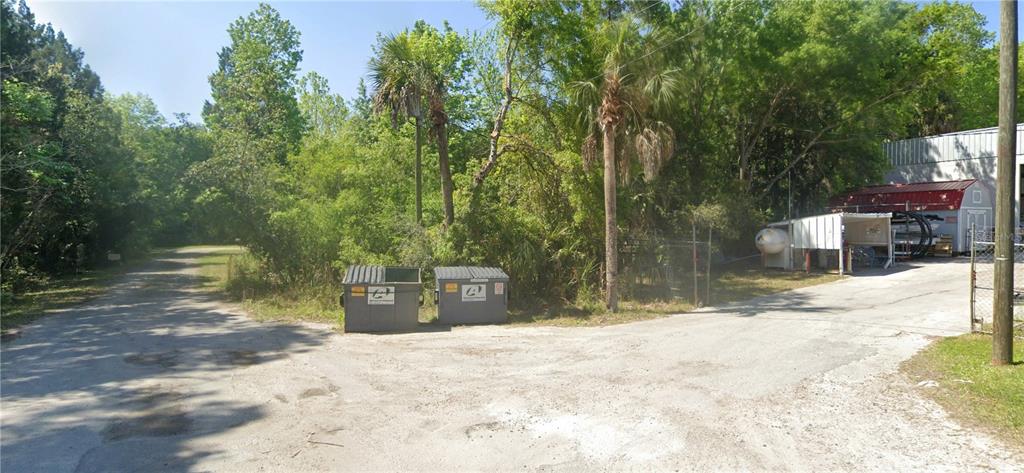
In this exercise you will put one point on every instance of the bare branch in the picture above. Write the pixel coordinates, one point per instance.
(499, 119)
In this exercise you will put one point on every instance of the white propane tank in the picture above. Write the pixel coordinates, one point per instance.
(771, 241)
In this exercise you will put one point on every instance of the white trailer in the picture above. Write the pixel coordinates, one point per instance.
(826, 236)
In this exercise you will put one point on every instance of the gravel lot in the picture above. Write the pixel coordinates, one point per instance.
(157, 375)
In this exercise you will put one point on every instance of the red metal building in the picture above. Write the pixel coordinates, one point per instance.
(948, 195)
(958, 205)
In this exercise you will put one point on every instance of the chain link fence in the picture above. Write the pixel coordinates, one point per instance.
(983, 282)
(667, 269)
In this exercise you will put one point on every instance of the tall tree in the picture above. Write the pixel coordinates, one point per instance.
(956, 89)
(398, 77)
(421, 65)
(254, 86)
(255, 122)
(623, 101)
(67, 182)
(323, 111)
(441, 55)
(162, 153)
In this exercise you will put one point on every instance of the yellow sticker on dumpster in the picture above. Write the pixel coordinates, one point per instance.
(451, 287)
(358, 291)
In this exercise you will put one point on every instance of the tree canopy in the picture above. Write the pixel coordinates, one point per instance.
(710, 111)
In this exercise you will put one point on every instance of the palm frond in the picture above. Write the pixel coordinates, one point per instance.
(654, 146)
(395, 79)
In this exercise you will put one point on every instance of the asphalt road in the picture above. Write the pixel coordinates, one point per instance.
(157, 376)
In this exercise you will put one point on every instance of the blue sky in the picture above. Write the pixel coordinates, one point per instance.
(167, 49)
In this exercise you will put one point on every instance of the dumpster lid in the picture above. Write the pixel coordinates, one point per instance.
(371, 274)
(469, 272)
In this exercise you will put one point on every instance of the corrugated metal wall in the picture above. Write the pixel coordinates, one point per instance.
(973, 144)
(823, 232)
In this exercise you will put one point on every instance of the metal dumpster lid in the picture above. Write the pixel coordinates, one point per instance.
(469, 272)
(373, 274)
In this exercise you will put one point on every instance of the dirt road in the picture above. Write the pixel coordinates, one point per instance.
(159, 376)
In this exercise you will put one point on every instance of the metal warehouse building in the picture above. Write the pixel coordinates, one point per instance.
(962, 156)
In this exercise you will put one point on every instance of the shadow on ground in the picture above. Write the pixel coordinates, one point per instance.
(112, 386)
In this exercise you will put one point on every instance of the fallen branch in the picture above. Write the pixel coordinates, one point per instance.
(325, 443)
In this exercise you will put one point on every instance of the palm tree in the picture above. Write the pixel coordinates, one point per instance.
(622, 102)
(439, 129)
(408, 69)
(397, 92)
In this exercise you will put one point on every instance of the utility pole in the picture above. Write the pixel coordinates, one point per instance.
(419, 173)
(1002, 306)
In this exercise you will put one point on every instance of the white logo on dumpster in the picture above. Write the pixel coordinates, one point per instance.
(380, 295)
(474, 292)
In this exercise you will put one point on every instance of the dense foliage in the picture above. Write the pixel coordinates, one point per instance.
(82, 173)
(717, 113)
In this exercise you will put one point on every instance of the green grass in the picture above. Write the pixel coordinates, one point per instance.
(319, 303)
(262, 300)
(55, 293)
(970, 388)
(213, 268)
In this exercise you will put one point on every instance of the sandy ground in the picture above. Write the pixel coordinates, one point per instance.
(158, 376)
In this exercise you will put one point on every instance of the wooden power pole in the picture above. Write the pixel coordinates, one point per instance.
(1002, 319)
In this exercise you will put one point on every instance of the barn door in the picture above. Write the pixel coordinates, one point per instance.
(977, 219)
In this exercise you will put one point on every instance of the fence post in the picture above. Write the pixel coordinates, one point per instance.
(696, 281)
(973, 278)
(707, 299)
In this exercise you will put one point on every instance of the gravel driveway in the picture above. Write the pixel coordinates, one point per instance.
(159, 376)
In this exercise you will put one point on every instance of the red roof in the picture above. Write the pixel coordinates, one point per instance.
(945, 195)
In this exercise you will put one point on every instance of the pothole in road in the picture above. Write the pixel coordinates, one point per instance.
(162, 422)
(241, 357)
(483, 429)
(155, 415)
(167, 359)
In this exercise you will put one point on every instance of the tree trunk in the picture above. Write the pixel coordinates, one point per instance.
(611, 229)
(447, 188)
(419, 172)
